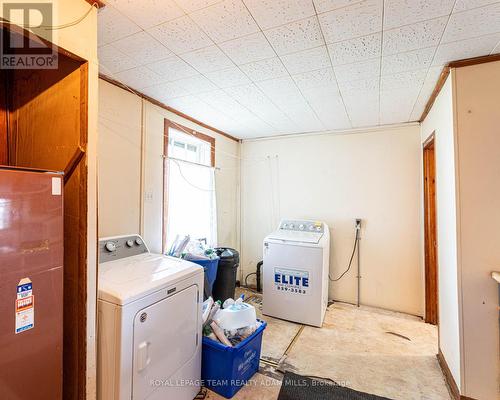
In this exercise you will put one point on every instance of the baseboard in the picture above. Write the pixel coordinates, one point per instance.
(452, 385)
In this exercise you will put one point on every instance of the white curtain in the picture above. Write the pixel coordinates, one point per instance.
(191, 202)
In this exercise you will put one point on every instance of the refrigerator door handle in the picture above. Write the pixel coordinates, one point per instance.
(143, 359)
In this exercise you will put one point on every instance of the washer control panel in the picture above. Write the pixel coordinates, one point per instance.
(120, 247)
(302, 226)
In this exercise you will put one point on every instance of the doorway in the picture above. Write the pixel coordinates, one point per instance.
(430, 232)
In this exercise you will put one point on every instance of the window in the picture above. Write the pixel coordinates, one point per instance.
(189, 191)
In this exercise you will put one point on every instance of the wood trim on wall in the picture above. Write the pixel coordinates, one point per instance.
(430, 242)
(99, 3)
(446, 71)
(4, 118)
(448, 376)
(474, 61)
(439, 85)
(165, 187)
(165, 107)
(450, 380)
(194, 133)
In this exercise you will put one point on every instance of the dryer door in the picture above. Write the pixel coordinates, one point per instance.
(165, 339)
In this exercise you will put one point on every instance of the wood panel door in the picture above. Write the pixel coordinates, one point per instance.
(431, 275)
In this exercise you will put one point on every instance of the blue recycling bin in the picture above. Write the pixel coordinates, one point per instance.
(226, 369)
(210, 267)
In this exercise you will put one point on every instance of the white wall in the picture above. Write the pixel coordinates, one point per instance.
(465, 118)
(131, 169)
(374, 175)
(440, 120)
(478, 154)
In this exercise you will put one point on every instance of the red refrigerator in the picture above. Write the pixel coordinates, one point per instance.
(31, 284)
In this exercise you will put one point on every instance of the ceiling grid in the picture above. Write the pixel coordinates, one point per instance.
(257, 68)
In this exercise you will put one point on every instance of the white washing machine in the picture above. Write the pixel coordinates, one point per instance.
(295, 272)
(149, 323)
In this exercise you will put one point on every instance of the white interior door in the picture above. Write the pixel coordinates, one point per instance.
(165, 339)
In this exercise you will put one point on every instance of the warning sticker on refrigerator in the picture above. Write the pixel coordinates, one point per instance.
(25, 306)
(293, 281)
(56, 186)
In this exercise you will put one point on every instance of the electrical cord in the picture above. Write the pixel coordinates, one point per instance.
(246, 277)
(350, 261)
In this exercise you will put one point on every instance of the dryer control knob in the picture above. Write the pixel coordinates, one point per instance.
(301, 227)
(138, 241)
(130, 243)
(110, 246)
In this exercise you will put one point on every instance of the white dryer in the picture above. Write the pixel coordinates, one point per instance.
(295, 272)
(149, 323)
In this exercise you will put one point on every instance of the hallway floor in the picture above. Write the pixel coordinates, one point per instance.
(367, 349)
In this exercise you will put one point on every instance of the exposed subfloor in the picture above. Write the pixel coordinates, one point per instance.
(367, 349)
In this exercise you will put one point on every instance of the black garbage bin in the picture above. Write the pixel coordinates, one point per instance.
(225, 282)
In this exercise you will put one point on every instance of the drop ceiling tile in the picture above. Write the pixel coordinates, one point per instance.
(329, 5)
(139, 77)
(271, 13)
(355, 104)
(363, 110)
(361, 87)
(411, 60)
(112, 60)
(296, 36)
(359, 19)
(165, 92)
(181, 35)
(426, 92)
(228, 77)
(306, 60)
(173, 68)
(272, 115)
(405, 12)
(221, 101)
(466, 49)
(226, 20)
(306, 121)
(248, 95)
(365, 120)
(196, 84)
(357, 49)
(284, 126)
(193, 5)
(143, 48)
(402, 80)
(322, 94)
(413, 37)
(332, 114)
(113, 25)
(280, 89)
(360, 70)
(148, 13)
(207, 59)
(472, 23)
(186, 103)
(264, 69)
(256, 101)
(463, 5)
(247, 49)
(396, 105)
(315, 79)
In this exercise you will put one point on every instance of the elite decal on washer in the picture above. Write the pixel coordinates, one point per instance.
(291, 280)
